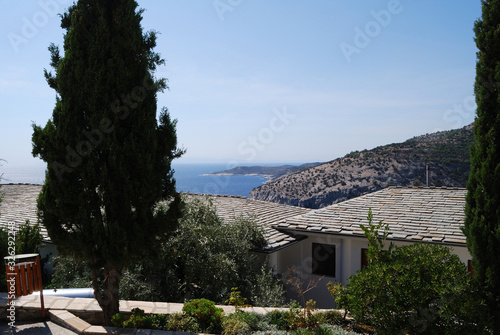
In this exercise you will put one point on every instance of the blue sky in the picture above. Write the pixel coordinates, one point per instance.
(259, 81)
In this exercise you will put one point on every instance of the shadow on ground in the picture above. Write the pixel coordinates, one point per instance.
(34, 328)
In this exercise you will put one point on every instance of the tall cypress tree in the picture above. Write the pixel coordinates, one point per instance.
(482, 223)
(108, 154)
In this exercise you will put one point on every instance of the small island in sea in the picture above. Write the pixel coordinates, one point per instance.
(266, 171)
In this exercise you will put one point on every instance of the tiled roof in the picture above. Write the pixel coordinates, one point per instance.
(19, 205)
(413, 214)
(266, 214)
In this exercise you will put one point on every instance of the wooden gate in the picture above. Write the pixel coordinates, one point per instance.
(24, 276)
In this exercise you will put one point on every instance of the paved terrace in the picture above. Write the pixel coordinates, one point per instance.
(413, 214)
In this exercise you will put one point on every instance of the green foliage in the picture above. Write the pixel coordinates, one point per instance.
(108, 155)
(182, 323)
(29, 238)
(139, 319)
(376, 240)
(240, 323)
(232, 325)
(416, 288)
(304, 318)
(281, 319)
(204, 248)
(4, 251)
(118, 319)
(237, 300)
(206, 257)
(266, 288)
(339, 293)
(69, 273)
(482, 223)
(204, 311)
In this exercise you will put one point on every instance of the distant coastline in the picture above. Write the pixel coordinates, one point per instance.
(265, 171)
(190, 178)
(227, 173)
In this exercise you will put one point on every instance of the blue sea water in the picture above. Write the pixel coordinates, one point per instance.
(190, 178)
(193, 178)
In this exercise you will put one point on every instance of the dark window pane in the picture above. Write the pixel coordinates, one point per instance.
(323, 256)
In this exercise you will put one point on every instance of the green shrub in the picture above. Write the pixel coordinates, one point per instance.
(182, 323)
(271, 332)
(234, 325)
(244, 322)
(209, 317)
(138, 319)
(333, 330)
(416, 288)
(158, 321)
(281, 319)
(330, 317)
(118, 319)
(302, 331)
(237, 300)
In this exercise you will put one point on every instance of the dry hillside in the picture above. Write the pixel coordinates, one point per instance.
(361, 172)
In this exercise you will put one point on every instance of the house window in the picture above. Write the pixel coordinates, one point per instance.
(323, 259)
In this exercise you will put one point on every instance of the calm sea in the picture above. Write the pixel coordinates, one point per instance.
(190, 178)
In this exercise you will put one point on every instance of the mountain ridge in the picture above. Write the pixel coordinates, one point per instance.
(360, 172)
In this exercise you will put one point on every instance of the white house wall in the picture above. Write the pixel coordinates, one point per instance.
(347, 263)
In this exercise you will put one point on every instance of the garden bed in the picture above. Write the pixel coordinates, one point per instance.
(202, 316)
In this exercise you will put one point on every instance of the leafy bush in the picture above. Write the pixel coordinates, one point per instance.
(69, 273)
(209, 317)
(182, 323)
(271, 332)
(237, 300)
(138, 319)
(204, 258)
(281, 319)
(415, 288)
(29, 238)
(323, 330)
(234, 325)
(330, 317)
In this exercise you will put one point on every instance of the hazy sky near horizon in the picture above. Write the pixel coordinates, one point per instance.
(255, 81)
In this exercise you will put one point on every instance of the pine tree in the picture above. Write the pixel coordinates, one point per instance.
(108, 156)
(482, 223)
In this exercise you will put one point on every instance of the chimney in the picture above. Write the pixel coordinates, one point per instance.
(427, 173)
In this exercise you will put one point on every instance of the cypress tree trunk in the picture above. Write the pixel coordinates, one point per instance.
(108, 155)
(107, 291)
(482, 223)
